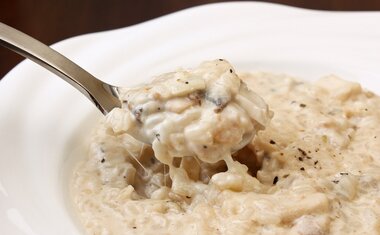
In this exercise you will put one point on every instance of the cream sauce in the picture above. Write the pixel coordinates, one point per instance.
(315, 169)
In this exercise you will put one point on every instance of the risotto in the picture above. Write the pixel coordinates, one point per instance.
(191, 167)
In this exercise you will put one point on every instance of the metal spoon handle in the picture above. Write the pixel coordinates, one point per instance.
(103, 95)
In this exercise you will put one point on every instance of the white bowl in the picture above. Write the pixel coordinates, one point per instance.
(43, 119)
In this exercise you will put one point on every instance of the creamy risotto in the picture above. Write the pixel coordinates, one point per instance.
(312, 168)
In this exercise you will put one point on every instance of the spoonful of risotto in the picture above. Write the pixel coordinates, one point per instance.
(205, 112)
(184, 113)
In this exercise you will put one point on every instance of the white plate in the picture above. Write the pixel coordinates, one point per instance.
(42, 118)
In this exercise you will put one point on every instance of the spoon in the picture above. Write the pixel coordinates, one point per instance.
(103, 95)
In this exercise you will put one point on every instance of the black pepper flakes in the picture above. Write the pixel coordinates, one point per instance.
(231, 71)
(335, 181)
(205, 146)
(300, 159)
(316, 162)
(158, 137)
(188, 197)
(134, 227)
(343, 173)
(220, 59)
(272, 142)
(302, 151)
(103, 160)
(158, 108)
(285, 176)
(275, 180)
(186, 82)
(302, 105)
(302, 168)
